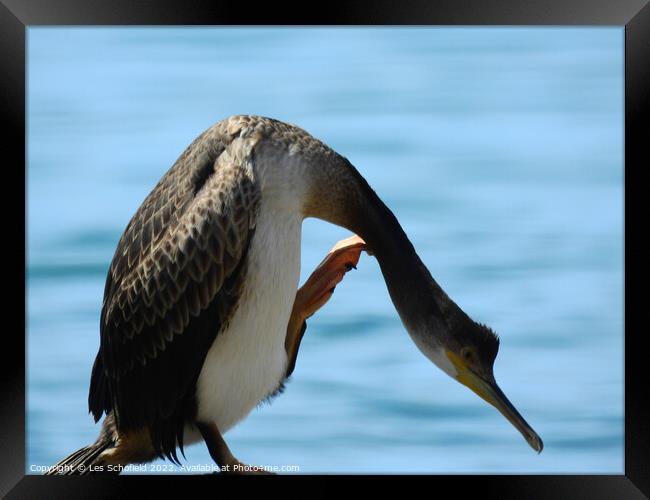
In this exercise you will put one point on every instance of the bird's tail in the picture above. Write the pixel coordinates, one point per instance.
(86, 460)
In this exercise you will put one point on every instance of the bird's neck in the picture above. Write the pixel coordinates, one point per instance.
(342, 196)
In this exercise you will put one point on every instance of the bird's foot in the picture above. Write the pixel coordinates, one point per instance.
(221, 454)
(319, 287)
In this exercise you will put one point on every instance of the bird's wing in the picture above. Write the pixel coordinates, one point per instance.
(173, 283)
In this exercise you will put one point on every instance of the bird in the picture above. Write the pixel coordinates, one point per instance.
(202, 316)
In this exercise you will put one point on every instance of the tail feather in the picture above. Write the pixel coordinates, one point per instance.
(81, 461)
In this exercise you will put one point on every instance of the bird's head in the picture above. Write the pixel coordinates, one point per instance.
(466, 351)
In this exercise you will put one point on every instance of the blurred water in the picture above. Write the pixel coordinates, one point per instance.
(499, 150)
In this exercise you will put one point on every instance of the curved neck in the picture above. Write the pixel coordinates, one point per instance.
(340, 195)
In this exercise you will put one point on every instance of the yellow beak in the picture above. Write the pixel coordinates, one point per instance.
(490, 392)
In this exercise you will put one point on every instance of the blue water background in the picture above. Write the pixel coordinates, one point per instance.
(499, 150)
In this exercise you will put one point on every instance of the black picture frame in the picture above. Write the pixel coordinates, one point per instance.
(17, 15)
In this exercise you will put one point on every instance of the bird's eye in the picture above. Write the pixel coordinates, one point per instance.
(467, 354)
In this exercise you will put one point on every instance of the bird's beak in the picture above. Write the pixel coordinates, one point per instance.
(490, 392)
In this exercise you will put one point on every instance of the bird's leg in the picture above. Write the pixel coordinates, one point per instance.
(318, 289)
(221, 454)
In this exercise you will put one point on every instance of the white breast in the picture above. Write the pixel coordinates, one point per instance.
(248, 360)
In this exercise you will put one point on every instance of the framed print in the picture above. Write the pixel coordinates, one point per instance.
(468, 175)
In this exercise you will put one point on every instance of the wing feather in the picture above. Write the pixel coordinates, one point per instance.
(173, 283)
